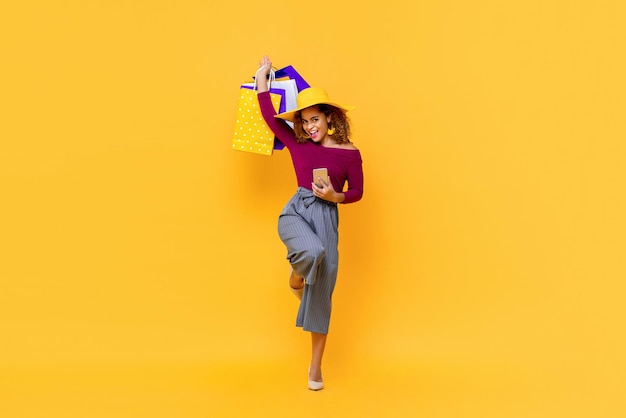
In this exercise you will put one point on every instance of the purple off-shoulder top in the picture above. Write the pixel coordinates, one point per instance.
(344, 165)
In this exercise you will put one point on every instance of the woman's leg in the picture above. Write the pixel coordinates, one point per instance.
(309, 231)
(318, 344)
(305, 250)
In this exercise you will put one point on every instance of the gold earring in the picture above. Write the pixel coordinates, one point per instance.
(331, 131)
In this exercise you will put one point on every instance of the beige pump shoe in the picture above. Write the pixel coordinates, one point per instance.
(297, 292)
(314, 384)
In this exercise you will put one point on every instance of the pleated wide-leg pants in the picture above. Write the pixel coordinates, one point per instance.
(308, 228)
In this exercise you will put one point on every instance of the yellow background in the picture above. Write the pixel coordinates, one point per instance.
(481, 275)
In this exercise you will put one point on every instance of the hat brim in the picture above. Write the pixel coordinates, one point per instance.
(290, 115)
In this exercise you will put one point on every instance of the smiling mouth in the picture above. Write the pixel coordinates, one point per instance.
(313, 134)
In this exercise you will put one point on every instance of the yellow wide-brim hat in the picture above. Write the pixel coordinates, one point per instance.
(310, 97)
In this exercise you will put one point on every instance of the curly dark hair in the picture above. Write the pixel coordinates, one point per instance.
(338, 120)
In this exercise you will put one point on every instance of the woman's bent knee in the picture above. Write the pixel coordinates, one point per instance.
(308, 257)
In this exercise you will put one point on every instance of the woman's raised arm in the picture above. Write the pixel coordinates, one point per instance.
(261, 74)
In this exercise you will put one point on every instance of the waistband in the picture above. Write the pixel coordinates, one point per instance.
(308, 197)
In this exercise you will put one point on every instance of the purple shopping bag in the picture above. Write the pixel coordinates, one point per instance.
(291, 73)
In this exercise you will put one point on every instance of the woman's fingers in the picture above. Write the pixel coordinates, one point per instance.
(265, 62)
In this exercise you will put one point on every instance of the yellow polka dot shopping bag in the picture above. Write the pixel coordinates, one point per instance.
(251, 132)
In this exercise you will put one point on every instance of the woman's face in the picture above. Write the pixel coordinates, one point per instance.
(314, 123)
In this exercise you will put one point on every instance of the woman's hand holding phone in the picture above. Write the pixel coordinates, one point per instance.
(323, 188)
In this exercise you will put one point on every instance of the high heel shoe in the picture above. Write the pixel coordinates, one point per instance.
(314, 384)
(298, 292)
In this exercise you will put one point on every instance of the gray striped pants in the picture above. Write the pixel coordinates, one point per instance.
(308, 228)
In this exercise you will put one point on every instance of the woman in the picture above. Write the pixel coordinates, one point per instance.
(308, 223)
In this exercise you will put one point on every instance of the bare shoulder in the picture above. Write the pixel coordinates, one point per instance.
(345, 145)
(349, 145)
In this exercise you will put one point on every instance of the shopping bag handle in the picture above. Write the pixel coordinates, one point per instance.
(270, 77)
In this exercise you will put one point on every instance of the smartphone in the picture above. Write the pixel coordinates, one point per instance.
(322, 173)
